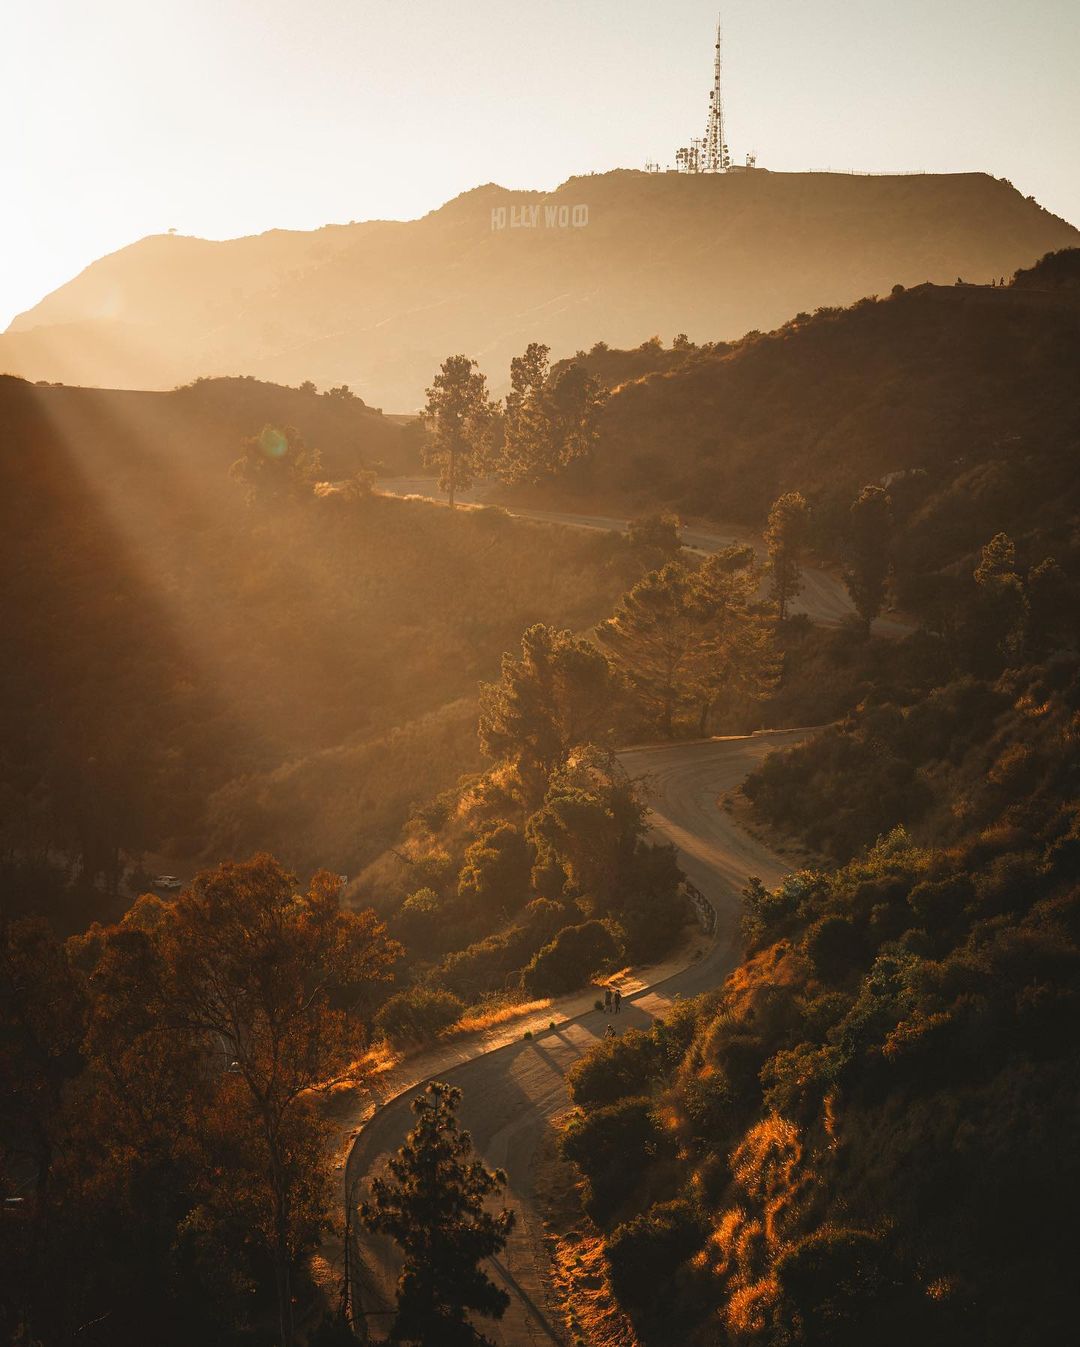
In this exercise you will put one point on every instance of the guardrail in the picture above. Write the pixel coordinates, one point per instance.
(703, 909)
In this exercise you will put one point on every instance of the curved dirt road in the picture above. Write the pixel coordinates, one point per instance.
(509, 1095)
(823, 598)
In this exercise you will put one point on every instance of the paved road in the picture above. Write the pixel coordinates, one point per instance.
(510, 1095)
(823, 597)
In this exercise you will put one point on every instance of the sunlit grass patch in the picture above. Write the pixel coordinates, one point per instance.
(488, 1017)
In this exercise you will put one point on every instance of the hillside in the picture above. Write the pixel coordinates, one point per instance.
(963, 399)
(199, 677)
(203, 423)
(865, 1135)
(377, 305)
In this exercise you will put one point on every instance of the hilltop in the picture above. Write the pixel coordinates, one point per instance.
(378, 304)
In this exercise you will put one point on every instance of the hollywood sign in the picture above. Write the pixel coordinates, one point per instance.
(539, 217)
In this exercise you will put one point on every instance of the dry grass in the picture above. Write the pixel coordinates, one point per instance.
(783, 841)
(616, 979)
(579, 1283)
(756, 977)
(339, 1098)
(488, 1017)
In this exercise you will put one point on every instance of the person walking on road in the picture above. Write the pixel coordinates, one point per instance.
(609, 1032)
(618, 1000)
(607, 1000)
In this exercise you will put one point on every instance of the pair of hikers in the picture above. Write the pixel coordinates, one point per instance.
(612, 1001)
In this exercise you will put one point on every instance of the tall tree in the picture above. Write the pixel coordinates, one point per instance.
(524, 428)
(591, 830)
(253, 969)
(653, 635)
(736, 657)
(573, 399)
(459, 420)
(785, 537)
(1002, 607)
(432, 1205)
(163, 1126)
(551, 416)
(559, 694)
(869, 552)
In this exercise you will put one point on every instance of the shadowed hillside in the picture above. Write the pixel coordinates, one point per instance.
(963, 400)
(378, 304)
(203, 423)
(202, 676)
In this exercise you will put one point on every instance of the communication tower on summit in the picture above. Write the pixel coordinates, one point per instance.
(709, 153)
(716, 158)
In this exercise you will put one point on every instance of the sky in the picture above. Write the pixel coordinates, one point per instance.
(228, 117)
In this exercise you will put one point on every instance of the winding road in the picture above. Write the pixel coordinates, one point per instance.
(823, 596)
(510, 1095)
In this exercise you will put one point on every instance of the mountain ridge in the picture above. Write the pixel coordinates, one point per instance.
(377, 304)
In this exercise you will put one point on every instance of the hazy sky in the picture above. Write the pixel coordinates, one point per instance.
(222, 117)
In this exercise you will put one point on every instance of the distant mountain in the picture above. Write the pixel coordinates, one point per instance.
(616, 256)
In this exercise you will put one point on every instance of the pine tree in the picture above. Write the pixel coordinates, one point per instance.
(654, 634)
(736, 658)
(573, 399)
(785, 536)
(1002, 607)
(523, 420)
(551, 416)
(459, 420)
(869, 552)
(558, 695)
(432, 1206)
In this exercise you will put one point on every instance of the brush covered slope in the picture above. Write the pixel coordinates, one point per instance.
(867, 1136)
(209, 666)
(378, 304)
(963, 401)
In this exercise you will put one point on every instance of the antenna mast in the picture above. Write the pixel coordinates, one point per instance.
(716, 158)
(709, 153)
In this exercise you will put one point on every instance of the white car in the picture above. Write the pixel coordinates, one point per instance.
(168, 882)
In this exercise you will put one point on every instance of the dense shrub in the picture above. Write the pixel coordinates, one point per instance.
(614, 1068)
(834, 947)
(844, 1288)
(417, 1014)
(495, 876)
(568, 962)
(644, 1253)
(492, 964)
(610, 1145)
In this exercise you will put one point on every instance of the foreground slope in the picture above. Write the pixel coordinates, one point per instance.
(378, 304)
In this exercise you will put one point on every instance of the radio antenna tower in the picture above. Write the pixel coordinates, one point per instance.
(715, 157)
(709, 154)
